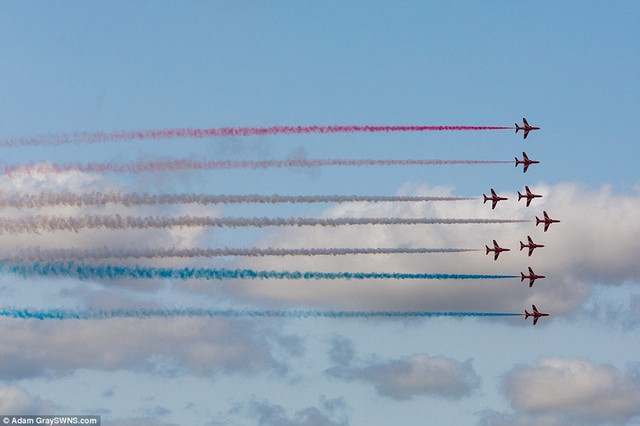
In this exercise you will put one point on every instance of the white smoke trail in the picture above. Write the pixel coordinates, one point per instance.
(44, 223)
(175, 165)
(36, 254)
(43, 199)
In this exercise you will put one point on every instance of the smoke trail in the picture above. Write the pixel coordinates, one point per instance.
(82, 271)
(43, 199)
(176, 165)
(41, 223)
(194, 133)
(36, 254)
(67, 314)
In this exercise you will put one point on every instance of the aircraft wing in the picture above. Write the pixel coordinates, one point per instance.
(495, 256)
(530, 251)
(526, 133)
(535, 320)
(493, 204)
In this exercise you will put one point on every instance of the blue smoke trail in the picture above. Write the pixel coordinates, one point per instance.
(67, 314)
(82, 271)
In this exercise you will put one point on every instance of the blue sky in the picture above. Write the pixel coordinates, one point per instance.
(570, 68)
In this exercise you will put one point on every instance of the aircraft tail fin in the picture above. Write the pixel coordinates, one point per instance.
(488, 249)
(520, 196)
(521, 246)
(521, 276)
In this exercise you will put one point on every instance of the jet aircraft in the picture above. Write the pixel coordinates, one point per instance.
(531, 245)
(532, 277)
(535, 314)
(525, 162)
(526, 127)
(494, 199)
(547, 221)
(496, 249)
(528, 195)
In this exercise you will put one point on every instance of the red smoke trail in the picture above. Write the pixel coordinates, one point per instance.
(175, 165)
(189, 133)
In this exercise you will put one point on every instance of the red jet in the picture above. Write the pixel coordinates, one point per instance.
(532, 277)
(531, 245)
(525, 162)
(497, 249)
(526, 127)
(529, 195)
(494, 199)
(547, 221)
(535, 314)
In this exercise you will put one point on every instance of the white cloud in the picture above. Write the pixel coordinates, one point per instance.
(403, 379)
(180, 345)
(594, 244)
(14, 400)
(77, 182)
(570, 391)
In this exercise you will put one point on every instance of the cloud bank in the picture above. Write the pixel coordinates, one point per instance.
(594, 245)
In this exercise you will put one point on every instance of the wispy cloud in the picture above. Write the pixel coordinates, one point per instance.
(329, 412)
(402, 379)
